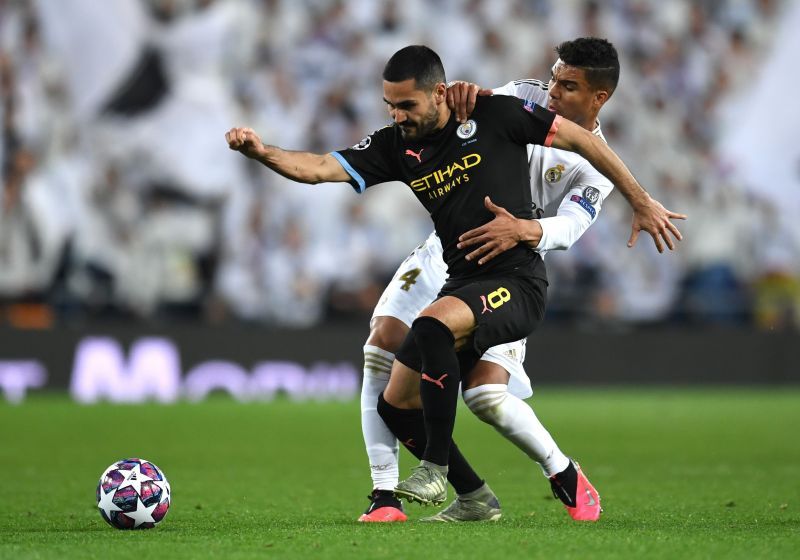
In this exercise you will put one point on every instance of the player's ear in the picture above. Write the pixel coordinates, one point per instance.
(440, 92)
(600, 98)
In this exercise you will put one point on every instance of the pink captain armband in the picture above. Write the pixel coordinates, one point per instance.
(552, 133)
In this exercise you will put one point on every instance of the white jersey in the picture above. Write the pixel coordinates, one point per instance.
(567, 193)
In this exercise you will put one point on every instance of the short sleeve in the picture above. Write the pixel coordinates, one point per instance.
(371, 161)
(525, 121)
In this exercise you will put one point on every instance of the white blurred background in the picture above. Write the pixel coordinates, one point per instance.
(121, 200)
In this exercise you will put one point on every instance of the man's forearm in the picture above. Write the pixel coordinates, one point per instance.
(609, 164)
(579, 140)
(303, 167)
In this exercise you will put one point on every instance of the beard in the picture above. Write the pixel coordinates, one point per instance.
(426, 125)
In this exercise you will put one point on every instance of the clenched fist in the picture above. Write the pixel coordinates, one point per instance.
(244, 140)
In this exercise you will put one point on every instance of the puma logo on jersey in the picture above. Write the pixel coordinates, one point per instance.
(437, 382)
(415, 154)
(485, 306)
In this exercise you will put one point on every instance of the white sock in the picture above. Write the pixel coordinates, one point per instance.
(513, 418)
(382, 447)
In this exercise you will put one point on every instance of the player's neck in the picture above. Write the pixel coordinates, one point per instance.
(590, 123)
(444, 118)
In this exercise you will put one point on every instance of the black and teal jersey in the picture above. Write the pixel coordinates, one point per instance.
(453, 169)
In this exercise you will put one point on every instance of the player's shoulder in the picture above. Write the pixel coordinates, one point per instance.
(383, 135)
(387, 131)
(530, 85)
(497, 103)
(528, 88)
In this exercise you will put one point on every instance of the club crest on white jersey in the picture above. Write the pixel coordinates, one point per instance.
(553, 175)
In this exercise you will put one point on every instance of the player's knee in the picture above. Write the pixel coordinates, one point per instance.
(387, 333)
(430, 334)
(486, 402)
(388, 411)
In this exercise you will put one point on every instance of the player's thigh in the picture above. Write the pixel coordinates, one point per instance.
(456, 315)
(509, 358)
(506, 308)
(484, 373)
(415, 284)
(403, 388)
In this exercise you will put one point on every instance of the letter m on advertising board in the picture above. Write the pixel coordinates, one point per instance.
(101, 371)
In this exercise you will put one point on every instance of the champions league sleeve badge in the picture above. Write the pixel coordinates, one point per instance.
(467, 130)
(591, 194)
(363, 144)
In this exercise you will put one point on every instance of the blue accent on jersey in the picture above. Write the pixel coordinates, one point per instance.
(584, 204)
(350, 171)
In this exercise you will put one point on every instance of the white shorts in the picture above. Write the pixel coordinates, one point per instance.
(416, 284)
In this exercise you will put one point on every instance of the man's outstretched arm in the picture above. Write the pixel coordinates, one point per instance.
(649, 215)
(303, 167)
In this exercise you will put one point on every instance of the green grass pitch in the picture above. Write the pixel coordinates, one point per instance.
(682, 473)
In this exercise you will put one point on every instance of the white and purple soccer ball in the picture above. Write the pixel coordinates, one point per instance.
(133, 494)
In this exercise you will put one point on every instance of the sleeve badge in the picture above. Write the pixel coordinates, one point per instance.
(592, 195)
(363, 144)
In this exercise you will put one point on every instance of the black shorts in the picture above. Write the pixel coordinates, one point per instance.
(506, 307)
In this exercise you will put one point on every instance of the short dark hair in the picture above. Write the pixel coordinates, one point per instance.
(597, 57)
(418, 62)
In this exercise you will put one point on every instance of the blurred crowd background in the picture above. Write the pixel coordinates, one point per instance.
(121, 200)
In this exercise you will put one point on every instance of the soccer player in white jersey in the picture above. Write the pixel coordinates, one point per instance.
(567, 193)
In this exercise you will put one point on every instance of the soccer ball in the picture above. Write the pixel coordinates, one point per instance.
(133, 494)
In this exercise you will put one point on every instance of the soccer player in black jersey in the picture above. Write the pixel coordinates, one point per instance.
(451, 168)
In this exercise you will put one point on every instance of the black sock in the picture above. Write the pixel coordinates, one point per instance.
(460, 473)
(565, 485)
(409, 427)
(383, 498)
(438, 385)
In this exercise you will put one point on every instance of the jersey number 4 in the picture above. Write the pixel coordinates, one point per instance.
(409, 278)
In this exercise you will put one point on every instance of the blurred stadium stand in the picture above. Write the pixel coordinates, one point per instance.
(122, 202)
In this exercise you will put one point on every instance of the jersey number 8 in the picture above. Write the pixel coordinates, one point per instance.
(498, 297)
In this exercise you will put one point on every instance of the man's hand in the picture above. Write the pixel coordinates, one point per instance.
(499, 235)
(244, 140)
(461, 98)
(653, 218)
(303, 167)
